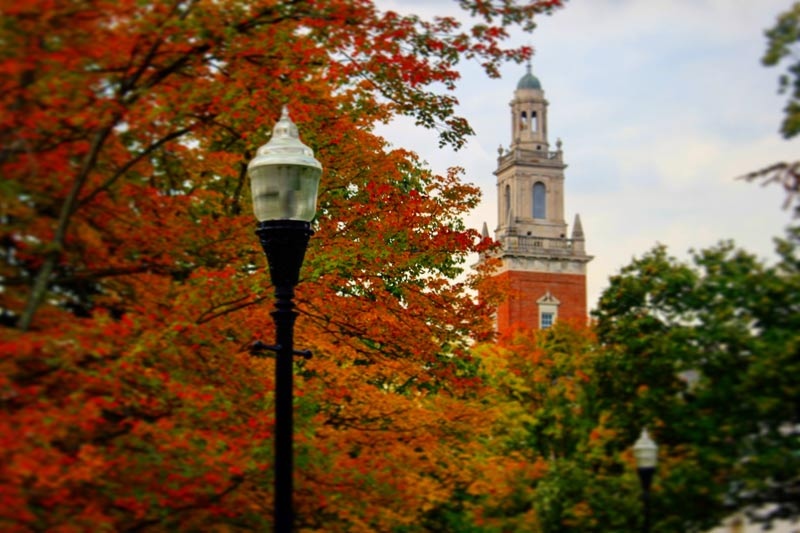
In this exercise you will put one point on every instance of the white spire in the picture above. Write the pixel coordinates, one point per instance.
(577, 228)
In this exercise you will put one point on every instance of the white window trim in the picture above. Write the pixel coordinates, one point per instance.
(548, 304)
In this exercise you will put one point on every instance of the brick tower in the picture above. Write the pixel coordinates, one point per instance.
(544, 269)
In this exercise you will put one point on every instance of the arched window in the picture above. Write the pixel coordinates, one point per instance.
(534, 121)
(507, 201)
(523, 121)
(539, 197)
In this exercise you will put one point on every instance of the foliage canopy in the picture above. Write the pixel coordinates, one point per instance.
(132, 285)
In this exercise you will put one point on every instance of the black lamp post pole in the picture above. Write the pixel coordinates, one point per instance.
(646, 478)
(284, 242)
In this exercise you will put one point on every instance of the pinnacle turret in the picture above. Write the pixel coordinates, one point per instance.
(577, 228)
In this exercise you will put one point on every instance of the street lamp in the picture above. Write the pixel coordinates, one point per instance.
(284, 178)
(645, 451)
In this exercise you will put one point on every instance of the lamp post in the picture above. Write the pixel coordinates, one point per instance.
(284, 178)
(645, 451)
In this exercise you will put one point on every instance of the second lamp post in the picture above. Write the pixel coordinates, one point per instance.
(645, 451)
(284, 178)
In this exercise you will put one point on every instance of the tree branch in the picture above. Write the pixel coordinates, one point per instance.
(40, 283)
(130, 164)
(230, 307)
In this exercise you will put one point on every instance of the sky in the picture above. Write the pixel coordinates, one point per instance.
(660, 104)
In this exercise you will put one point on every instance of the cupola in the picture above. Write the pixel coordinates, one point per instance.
(529, 81)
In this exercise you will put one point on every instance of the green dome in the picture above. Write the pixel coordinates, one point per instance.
(529, 81)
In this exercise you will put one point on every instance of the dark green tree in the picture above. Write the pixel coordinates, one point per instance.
(704, 353)
(783, 45)
(707, 355)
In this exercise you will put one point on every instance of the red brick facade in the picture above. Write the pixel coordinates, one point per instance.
(521, 309)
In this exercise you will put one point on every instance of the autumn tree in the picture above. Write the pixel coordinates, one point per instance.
(568, 463)
(132, 286)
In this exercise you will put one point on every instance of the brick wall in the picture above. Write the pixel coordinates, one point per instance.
(521, 309)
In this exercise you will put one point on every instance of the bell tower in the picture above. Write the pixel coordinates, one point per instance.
(544, 268)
